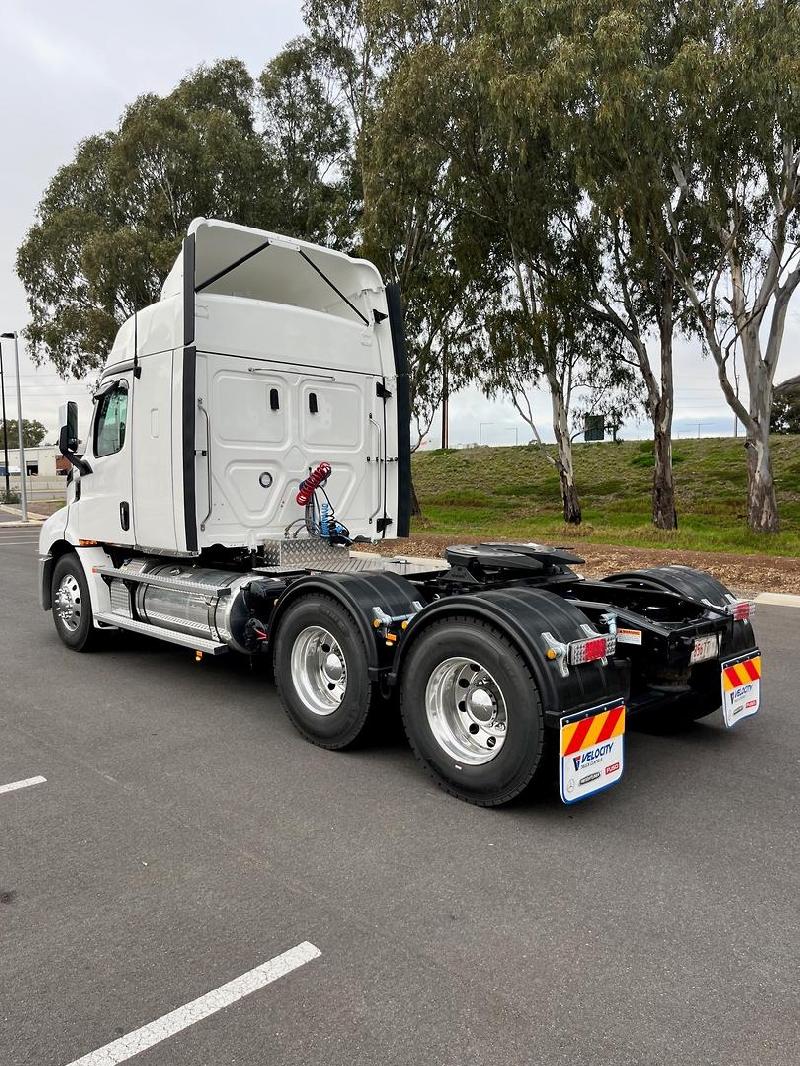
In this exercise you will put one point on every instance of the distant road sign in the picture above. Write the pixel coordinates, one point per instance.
(594, 427)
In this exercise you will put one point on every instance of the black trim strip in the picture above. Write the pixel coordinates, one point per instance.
(188, 289)
(328, 282)
(385, 520)
(403, 410)
(188, 388)
(188, 420)
(232, 266)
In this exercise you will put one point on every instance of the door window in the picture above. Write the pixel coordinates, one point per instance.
(112, 418)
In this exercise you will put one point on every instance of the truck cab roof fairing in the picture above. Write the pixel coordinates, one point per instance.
(275, 269)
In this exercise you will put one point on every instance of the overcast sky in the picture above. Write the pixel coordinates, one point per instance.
(68, 71)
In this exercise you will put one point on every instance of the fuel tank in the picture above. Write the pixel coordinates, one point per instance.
(204, 602)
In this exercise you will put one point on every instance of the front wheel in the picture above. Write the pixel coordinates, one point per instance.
(71, 606)
(472, 712)
(321, 672)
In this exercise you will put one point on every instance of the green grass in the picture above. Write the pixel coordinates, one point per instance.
(513, 492)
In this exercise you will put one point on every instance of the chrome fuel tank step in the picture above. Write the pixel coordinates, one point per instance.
(198, 602)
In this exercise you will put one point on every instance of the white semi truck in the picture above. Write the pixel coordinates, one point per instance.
(249, 433)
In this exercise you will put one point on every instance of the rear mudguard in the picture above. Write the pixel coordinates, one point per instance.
(523, 615)
(701, 587)
(361, 595)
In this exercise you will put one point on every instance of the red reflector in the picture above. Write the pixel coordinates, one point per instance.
(742, 610)
(587, 651)
(594, 649)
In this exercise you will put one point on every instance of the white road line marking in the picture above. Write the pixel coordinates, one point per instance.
(23, 784)
(169, 1024)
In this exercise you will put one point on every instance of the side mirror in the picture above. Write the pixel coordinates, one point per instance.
(68, 436)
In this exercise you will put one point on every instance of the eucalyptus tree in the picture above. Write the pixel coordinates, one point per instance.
(547, 338)
(411, 225)
(510, 190)
(110, 222)
(306, 132)
(408, 205)
(736, 163)
(602, 87)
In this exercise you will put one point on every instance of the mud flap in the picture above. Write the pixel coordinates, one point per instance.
(592, 750)
(741, 687)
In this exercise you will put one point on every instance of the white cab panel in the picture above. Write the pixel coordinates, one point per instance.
(289, 334)
(153, 511)
(105, 505)
(269, 425)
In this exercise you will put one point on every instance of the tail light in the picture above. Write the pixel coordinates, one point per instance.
(590, 649)
(742, 610)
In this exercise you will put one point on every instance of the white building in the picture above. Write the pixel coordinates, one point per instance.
(45, 461)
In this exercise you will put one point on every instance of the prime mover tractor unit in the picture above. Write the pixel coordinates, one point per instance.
(249, 436)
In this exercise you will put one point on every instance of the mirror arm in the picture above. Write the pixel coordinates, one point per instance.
(64, 447)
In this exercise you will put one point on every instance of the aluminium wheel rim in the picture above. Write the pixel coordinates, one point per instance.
(68, 603)
(466, 711)
(319, 670)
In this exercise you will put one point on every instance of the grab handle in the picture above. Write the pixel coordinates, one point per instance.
(378, 458)
(207, 453)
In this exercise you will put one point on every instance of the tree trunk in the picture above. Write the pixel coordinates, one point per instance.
(566, 472)
(569, 496)
(762, 504)
(416, 510)
(665, 514)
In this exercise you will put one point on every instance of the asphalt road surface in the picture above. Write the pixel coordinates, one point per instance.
(185, 835)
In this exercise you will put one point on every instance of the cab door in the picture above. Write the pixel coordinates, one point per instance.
(104, 509)
(340, 420)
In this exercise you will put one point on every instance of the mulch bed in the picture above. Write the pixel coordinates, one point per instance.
(743, 573)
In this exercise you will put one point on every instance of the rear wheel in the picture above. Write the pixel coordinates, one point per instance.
(321, 672)
(471, 711)
(71, 607)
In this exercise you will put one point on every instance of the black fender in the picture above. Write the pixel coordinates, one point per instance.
(46, 566)
(358, 594)
(523, 615)
(695, 585)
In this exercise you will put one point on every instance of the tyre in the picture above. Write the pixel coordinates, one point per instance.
(472, 711)
(72, 609)
(321, 672)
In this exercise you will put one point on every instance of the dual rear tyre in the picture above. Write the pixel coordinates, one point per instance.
(469, 704)
(471, 711)
(321, 672)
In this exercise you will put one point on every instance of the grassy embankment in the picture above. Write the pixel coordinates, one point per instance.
(513, 492)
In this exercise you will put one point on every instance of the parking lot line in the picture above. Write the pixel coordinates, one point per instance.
(169, 1024)
(23, 784)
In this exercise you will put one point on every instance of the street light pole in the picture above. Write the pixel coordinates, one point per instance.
(5, 424)
(23, 470)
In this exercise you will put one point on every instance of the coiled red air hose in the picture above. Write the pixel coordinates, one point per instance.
(313, 482)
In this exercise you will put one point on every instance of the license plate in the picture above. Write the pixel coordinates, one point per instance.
(741, 688)
(705, 648)
(592, 751)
